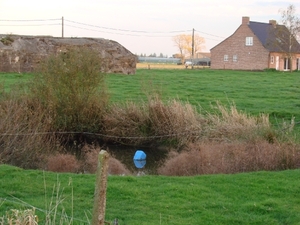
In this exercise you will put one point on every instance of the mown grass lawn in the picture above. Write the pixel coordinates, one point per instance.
(246, 198)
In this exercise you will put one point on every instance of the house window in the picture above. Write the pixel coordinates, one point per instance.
(249, 41)
(225, 57)
(272, 59)
(286, 64)
(234, 58)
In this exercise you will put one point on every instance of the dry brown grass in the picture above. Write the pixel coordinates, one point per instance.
(23, 128)
(179, 123)
(127, 123)
(175, 121)
(63, 163)
(153, 121)
(228, 124)
(89, 162)
(213, 158)
(20, 217)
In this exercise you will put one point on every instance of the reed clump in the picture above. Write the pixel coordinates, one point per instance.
(228, 124)
(153, 122)
(215, 158)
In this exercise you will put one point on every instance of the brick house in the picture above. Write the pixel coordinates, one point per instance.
(257, 46)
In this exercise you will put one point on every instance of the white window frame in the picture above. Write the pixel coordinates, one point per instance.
(286, 64)
(226, 58)
(249, 41)
(234, 58)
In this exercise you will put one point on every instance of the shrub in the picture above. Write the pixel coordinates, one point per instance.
(71, 86)
(7, 40)
(24, 139)
(212, 158)
(90, 162)
(115, 167)
(63, 163)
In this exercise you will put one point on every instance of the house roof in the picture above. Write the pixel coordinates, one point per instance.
(274, 37)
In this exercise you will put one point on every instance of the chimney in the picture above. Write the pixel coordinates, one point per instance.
(245, 20)
(273, 22)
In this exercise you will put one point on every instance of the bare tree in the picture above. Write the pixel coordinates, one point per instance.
(184, 44)
(291, 21)
(286, 36)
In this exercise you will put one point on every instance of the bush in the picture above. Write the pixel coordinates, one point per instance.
(71, 86)
(89, 163)
(63, 163)
(24, 139)
(213, 158)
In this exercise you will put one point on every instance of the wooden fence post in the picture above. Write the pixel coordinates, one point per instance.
(100, 189)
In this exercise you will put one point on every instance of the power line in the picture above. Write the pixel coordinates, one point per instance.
(209, 34)
(103, 29)
(30, 25)
(131, 31)
(35, 20)
(118, 33)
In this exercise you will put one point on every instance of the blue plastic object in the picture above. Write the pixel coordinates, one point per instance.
(139, 159)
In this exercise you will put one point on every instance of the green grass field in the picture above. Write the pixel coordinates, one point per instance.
(274, 93)
(246, 198)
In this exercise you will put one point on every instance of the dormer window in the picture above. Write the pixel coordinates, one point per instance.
(249, 41)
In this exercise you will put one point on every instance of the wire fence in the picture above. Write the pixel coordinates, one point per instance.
(196, 134)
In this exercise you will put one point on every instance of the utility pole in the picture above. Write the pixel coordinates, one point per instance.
(62, 27)
(193, 44)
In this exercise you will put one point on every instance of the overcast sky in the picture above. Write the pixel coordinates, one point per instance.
(141, 26)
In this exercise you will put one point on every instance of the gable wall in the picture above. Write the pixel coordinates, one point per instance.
(254, 57)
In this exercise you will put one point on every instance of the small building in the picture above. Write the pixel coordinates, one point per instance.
(257, 46)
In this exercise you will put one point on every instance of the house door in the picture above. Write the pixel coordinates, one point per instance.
(298, 64)
(286, 64)
(277, 62)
